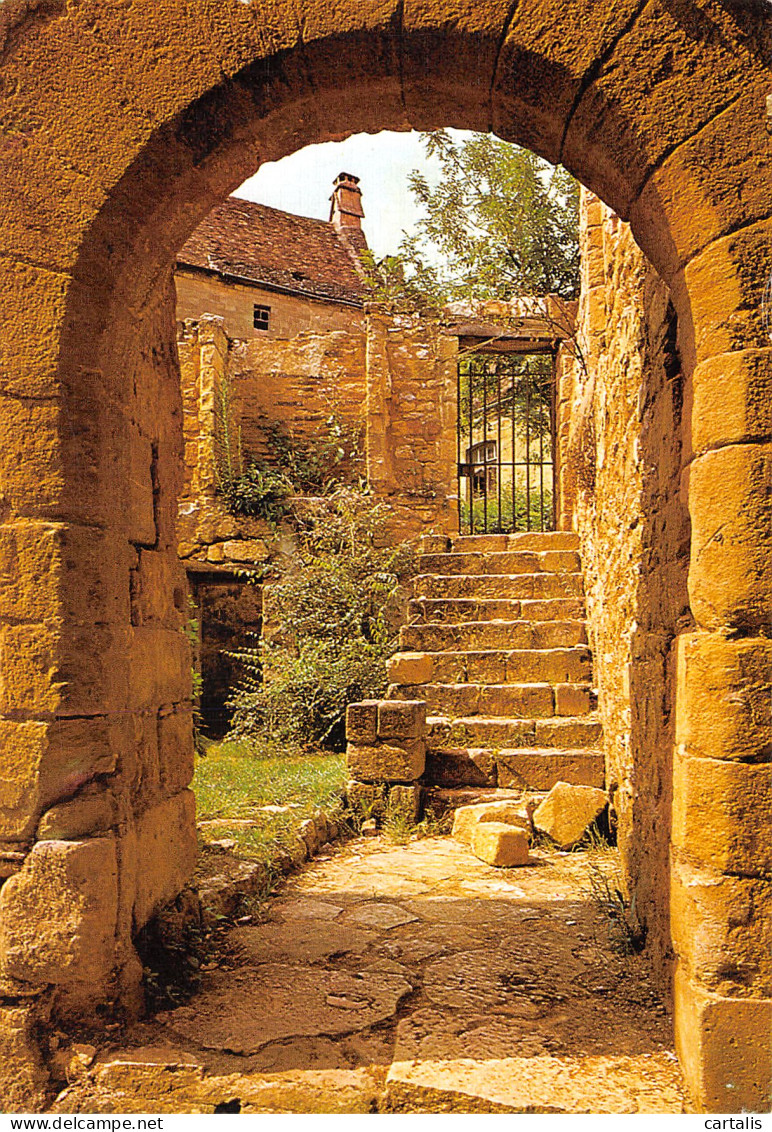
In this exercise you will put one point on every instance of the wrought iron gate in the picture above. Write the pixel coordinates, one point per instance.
(506, 442)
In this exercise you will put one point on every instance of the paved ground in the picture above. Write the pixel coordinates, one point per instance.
(409, 978)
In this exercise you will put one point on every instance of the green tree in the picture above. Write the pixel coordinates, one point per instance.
(502, 222)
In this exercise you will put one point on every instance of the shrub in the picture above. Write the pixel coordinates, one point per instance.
(330, 625)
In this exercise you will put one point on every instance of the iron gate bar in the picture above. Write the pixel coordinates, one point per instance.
(517, 391)
(498, 442)
(485, 449)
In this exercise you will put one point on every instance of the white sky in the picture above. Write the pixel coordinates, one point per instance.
(302, 182)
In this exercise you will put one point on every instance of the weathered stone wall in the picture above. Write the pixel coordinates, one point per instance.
(411, 422)
(622, 479)
(299, 383)
(125, 124)
(96, 815)
(234, 302)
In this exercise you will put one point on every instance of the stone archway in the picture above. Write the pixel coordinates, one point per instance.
(123, 126)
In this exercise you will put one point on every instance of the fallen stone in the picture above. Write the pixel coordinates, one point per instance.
(243, 1011)
(568, 811)
(499, 844)
(466, 818)
(370, 828)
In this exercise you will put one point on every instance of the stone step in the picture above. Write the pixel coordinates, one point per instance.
(498, 586)
(501, 731)
(502, 562)
(520, 768)
(532, 701)
(493, 635)
(493, 666)
(447, 799)
(522, 540)
(457, 611)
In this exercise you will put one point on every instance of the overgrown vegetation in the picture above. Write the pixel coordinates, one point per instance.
(257, 801)
(235, 781)
(626, 933)
(266, 487)
(331, 623)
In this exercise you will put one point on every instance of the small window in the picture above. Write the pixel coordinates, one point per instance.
(261, 316)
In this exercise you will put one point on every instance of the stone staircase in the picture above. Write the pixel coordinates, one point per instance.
(496, 645)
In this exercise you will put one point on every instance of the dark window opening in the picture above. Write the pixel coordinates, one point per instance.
(261, 316)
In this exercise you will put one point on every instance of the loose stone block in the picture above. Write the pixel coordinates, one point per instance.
(362, 722)
(724, 1046)
(499, 844)
(401, 719)
(58, 915)
(568, 811)
(388, 762)
(410, 668)
(467, 818)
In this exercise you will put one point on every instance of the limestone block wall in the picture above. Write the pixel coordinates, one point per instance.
(96, 814)
(411, 421)
(622, 490)
(298, 382)
(234, 302)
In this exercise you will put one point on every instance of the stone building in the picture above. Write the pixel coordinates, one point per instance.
(123, 127)
(271, 332)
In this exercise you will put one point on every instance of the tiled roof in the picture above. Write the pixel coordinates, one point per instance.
(266, 245)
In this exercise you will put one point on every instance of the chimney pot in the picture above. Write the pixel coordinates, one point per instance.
(346, 202)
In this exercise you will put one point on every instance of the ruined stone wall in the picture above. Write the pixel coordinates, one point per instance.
(199, 294)
(298, 382)
(411, 422)
(621, 487)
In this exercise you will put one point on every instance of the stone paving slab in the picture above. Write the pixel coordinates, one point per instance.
(410, 978)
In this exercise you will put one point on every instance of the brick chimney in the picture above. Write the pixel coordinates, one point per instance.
(346, 209)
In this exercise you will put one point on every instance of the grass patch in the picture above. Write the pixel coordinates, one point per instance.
(235, 781)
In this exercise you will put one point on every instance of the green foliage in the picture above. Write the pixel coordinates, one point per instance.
(331, 624)
(292, 467)
(510, 518)
(504, 222)
(234, 779)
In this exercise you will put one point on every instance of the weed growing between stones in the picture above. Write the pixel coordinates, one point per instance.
(626, 933)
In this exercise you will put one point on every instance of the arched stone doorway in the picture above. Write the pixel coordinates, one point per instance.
(123, 126)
